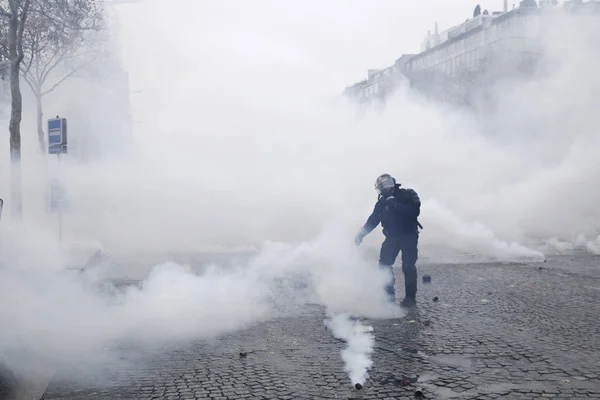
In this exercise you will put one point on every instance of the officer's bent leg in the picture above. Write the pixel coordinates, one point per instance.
(410, 254)
(389, 252)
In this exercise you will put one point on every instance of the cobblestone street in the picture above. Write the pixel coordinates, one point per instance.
(497, 331)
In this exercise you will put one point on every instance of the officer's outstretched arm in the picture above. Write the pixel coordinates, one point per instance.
(372, 222)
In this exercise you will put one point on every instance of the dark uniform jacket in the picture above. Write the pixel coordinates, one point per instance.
(397, 215)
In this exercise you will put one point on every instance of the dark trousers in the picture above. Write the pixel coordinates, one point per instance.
(406, 243)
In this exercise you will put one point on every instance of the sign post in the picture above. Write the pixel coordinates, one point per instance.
(58, 202)
(57, 144)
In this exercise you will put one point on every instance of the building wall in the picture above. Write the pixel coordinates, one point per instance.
(490, 42)
(379, 83)
(470, 45)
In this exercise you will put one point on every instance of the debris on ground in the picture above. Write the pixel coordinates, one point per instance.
(400, 381)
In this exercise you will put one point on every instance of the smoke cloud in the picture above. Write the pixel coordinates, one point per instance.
(360, 342)
(67, 317)
(241, 145)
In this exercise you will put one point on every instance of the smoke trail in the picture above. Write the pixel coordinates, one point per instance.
(253, 156)
(360, 342)
(63, 318)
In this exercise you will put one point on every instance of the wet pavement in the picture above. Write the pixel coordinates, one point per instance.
(497, 331)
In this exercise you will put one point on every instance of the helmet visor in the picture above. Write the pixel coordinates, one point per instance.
(384, 183)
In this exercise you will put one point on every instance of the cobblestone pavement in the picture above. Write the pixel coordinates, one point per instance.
(498, 331)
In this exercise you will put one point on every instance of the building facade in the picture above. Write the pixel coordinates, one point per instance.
(379, 83)
(486, 46)
(513, 35)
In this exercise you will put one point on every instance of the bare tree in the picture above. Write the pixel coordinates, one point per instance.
(55, 53)
(15, 13)
(61, 18)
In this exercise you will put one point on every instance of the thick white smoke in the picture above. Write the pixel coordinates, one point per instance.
(65, 318)
(360, 342)
(239, 146)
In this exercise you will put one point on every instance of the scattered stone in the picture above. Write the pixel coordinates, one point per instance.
(403, 382)
(400, 381)
(426, 278)
(419, 393)
(435, 298)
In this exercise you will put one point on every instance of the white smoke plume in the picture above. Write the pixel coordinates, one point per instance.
(360, 342)
(238, 146)
(66, 318)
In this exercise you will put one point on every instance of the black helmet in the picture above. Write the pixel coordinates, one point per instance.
(385, 183)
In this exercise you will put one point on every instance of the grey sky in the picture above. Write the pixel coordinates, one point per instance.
(322, 45)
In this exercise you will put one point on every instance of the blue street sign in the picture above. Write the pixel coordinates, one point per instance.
(57, 136)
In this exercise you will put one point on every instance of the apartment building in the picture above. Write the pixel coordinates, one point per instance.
(502, 39)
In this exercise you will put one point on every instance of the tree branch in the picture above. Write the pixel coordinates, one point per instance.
(25, 69)
(34, 86)
(4, 13)
(70, 74)
(52, 63)
(20, 54)
(4, 50)
(68, 20)
(14, 8)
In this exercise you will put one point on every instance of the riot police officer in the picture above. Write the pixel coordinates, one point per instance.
(397, 209)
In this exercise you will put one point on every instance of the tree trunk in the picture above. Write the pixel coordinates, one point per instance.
(40, 123)
(15, 115)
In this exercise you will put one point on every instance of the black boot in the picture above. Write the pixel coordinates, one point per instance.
(408, 302)
(410, 285)
(390, 289)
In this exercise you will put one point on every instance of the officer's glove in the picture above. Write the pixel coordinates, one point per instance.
(360, 236)
(358, 239)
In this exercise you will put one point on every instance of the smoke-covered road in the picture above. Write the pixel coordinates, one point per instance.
(498, 331)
